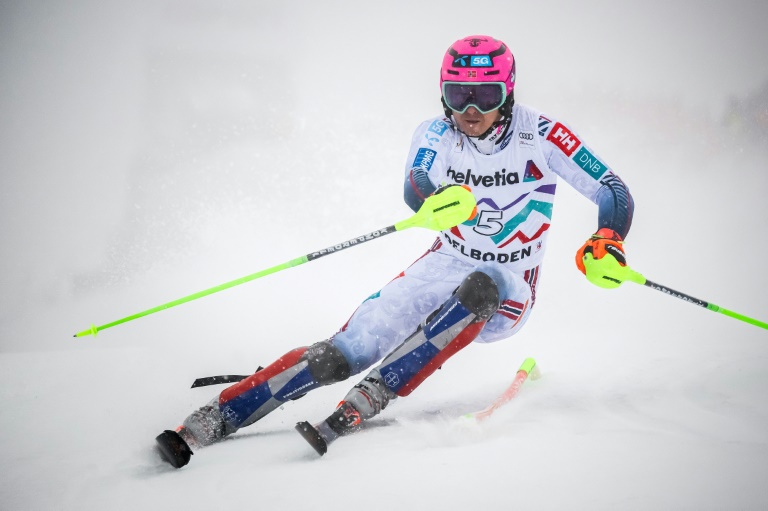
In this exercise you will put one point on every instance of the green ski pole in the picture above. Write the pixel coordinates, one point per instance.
(609, 273)
(707, 305)
(452, 206)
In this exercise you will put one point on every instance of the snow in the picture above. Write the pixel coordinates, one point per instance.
(153, 149)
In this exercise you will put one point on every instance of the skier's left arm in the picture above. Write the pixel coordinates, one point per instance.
(579, 165)
(427, 160)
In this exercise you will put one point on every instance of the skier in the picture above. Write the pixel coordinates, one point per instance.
(477, 282)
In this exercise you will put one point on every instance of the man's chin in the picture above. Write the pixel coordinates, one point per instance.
(471, 131)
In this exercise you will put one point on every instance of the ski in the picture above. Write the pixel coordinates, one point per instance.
(216, 380)
(313, 437)
(173, 449)
(224, 378)
(527, 369)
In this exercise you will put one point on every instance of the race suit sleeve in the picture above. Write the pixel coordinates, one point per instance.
(571, 159)
(417, 188)
(426, 158)
(615, 206)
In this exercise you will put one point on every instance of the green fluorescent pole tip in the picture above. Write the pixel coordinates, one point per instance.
(527, 365)
(91, 331)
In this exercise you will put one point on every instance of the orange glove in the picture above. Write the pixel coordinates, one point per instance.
(604, 241)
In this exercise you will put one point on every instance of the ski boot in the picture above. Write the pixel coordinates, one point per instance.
(346, 419)
(365, 400)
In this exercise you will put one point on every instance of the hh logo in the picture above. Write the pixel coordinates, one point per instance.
(564, 139)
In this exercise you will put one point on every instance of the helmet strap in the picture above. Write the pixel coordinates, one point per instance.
(448, 111)
(506, 109)
(506, 119)
(505, 122)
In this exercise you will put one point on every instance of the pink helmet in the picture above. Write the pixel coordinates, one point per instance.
(479, 58)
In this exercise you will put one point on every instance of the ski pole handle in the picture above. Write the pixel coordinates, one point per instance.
(447, 209)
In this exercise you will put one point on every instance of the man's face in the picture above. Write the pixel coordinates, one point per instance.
(473, 123)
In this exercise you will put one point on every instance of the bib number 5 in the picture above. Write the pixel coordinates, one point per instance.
(488, 222)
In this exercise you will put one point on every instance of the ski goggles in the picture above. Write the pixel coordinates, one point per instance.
(485, 96)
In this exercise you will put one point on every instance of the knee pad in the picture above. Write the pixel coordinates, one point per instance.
(479, 294)
(502, 276)
(326, 363)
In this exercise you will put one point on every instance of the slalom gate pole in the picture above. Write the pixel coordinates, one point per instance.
(448, 208)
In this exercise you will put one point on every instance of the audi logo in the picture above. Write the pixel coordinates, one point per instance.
(525, 136)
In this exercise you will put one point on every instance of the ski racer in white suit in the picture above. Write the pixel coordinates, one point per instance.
(477, 282)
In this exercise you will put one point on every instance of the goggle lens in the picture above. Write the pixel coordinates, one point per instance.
(486, 97)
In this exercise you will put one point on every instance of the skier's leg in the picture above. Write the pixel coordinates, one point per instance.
(516, 294)
(290, 377)
(379, 324)
(446, 331)
(389, 316)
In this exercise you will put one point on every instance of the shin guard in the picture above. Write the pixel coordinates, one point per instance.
(448, 330)
(290, 377)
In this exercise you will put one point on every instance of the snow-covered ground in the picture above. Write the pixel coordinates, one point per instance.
(153, 149)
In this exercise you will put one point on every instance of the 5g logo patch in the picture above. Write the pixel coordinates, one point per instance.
(473, 61)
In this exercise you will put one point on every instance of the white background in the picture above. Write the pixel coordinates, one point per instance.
(149, 150)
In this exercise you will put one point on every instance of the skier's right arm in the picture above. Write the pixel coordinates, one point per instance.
(417, 188)
(426, 160)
